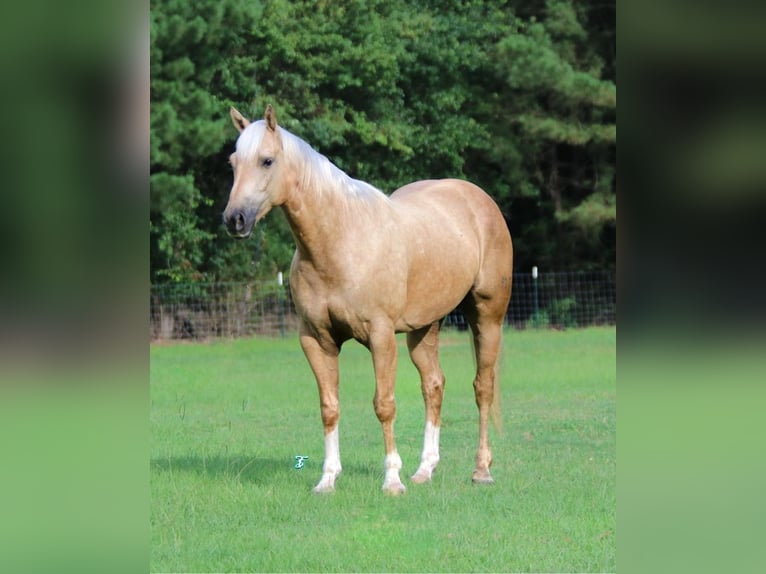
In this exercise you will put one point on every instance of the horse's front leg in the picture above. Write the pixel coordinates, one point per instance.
(384, 354)
(323, 358)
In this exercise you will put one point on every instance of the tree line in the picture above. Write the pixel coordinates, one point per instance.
(517, 96)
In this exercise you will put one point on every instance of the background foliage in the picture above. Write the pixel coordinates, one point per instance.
(518, 97)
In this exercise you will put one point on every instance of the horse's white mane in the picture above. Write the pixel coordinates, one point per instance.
(319, 173)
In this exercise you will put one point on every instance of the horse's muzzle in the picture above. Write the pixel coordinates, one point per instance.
(239, 222)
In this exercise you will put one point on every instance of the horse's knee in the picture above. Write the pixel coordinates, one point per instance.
(385, 409)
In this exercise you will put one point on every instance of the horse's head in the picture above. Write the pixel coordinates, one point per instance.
(258, 173)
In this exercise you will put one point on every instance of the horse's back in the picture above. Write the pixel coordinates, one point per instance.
(453, 205)
(454, 197)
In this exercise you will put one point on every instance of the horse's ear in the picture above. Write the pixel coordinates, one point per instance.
(270, 117)
(240, 122)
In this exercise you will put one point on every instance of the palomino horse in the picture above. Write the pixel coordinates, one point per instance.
(368, 266)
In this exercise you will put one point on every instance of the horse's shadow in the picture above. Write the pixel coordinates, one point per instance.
(249, 469)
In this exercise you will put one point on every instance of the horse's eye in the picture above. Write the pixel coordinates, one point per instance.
(267, 162)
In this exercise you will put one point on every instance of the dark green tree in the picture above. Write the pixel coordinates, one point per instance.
(557, 116)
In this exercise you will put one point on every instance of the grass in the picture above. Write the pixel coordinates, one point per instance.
(228, 418)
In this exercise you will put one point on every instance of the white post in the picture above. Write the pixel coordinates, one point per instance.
(280, 281)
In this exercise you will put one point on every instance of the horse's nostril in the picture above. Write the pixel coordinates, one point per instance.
(235, 222)
(238, 222)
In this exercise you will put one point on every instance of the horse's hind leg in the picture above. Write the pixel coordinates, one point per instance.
(423, 345)
(485, 317)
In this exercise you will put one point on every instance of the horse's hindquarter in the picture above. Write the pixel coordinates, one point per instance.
(457, 241)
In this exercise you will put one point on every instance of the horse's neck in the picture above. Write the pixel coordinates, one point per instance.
(324, 212)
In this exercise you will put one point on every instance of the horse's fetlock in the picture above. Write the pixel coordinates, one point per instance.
(330, 417)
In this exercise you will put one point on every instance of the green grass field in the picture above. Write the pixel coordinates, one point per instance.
(228, 418)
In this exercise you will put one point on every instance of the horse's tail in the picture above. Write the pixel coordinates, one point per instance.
(495, 410)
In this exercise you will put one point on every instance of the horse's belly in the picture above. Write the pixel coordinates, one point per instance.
(437, 285)
(350, 302)
(418, 316)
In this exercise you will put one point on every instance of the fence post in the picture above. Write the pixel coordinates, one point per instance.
(280, 296)
(534, 290)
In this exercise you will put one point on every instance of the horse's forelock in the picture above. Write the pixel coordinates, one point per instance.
(250, 139)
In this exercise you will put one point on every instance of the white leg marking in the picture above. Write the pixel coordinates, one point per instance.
(331, 468)
(392, 484)
(430, 457)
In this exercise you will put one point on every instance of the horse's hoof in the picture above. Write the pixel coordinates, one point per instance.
(420, 478)
(325, 490)
(394, 489)
(482, 478)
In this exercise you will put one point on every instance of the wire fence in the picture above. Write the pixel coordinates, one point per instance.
(229, 310)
